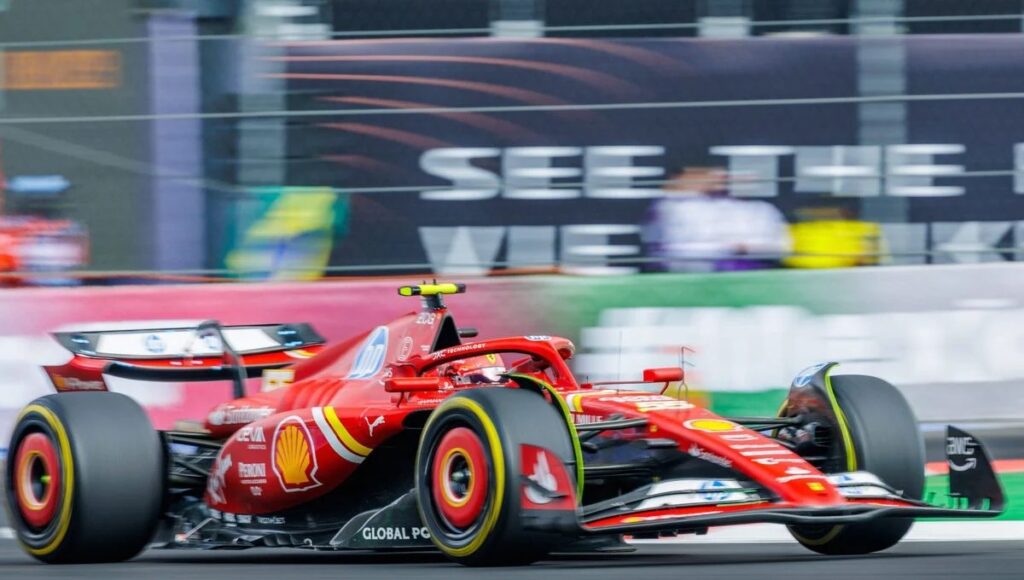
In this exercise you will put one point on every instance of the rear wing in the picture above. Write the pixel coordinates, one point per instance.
(207, 352)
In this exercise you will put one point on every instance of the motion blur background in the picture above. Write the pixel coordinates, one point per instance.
(771, 183)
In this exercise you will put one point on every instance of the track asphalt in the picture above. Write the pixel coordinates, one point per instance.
(741, 561)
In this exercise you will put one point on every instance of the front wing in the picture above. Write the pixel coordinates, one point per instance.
(688, 506)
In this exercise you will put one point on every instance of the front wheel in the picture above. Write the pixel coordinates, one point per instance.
(885, 441)
(493, 477)
(84, 478)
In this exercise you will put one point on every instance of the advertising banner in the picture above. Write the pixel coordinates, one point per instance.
(474, 154)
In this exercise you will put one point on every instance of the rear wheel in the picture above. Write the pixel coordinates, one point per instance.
(477, 455)
(84, 480)
(885, 441)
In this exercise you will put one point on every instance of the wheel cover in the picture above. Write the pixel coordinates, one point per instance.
(460, 479)
(37, 480)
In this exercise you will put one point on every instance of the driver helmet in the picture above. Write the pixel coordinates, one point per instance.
(478, 370)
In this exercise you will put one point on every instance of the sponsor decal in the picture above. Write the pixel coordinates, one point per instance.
(706, 455)
(75, 384)
(548, 485)
(371, 425)
(229, 517)
(538, 337)
(584, 419)
(815, 486)
(544, 479)
(274, 379)
(252, 473)
(212, 343)
(244, 519)
(239, 415)
(961, 448)
(405, 348)
(390, 533)
(491, 358)
(154, 344)
(426, 318)
(270, 520)
(713, 490)
(860, 484)
(647, 403)
(805, 376)
(777, 460)
(294, 461)
(779, 451)
(458, 349)
(797, 471)
(689, 492)
(251, 435)
(711, 425)
(215, 484)
(739, 437)
(755, 446)
(370, 358)
(256, 491)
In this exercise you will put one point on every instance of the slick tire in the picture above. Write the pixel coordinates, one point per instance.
(84, 479)
(470, 484)
(887, 443)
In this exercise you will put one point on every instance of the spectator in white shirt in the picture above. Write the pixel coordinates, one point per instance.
(698, 227)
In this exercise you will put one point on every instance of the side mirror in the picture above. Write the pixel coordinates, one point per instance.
(412, 384)
(663, 375)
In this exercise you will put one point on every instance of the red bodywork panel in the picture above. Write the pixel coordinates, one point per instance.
(704, 434)
(295, 443)
(345, 410)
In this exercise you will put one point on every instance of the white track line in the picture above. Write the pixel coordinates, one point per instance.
(6, 533)
(972, 531)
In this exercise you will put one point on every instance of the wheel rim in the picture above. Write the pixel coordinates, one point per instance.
(37, 480)
(460, 478)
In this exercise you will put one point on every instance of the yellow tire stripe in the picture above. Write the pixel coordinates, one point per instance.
(494, 441)
(577, 449)
(68, 484)
(343, 434)
(851, 454)
(844, 427)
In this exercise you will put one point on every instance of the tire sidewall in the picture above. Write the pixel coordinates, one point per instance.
(113, 471)
(886, 443)
(516, 417)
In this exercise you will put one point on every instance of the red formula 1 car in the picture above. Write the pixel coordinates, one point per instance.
(409, 437)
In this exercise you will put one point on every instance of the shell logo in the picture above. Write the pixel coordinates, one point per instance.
(294, 461)
(711, 425)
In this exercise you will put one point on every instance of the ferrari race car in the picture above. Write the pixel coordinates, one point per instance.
(410, 437)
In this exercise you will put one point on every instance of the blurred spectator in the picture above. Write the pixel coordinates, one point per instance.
(830, 237)
(698, 227)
